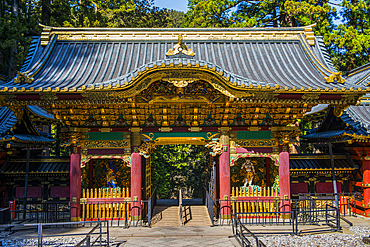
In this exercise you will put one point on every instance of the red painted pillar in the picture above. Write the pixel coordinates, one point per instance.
(135, 175)
(224, 173)
(75, 183)
(136, 183)
(366, 177)
(284, 180)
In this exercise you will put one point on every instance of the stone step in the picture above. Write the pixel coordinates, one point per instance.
(199, 216)
(169, 216)
(165, 216)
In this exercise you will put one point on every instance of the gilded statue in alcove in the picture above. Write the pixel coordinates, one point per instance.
(248, 166)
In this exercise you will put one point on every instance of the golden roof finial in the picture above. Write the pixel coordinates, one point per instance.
(180, 39)
(180, 50)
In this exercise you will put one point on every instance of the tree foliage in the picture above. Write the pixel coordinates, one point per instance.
(19, 21)
(177, 167)
(260, 13)
(351, 40)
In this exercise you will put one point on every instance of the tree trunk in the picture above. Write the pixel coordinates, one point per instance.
(15, 8)
(46, 12)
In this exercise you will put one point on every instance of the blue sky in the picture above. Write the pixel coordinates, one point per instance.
(181, 5)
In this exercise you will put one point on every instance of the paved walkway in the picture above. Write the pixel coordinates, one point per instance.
(179, 236)
(175, 236)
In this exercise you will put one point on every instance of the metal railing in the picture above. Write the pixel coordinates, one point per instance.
(321, 199)
(293, 213)
(211, 208)
(152, 202)
(181, 223)
(241, 234)
(38, 211)
(87, 239)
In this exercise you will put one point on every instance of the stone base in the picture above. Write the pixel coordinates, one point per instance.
(75, 219)
(225, 216)
(285, 216)
(136, 218)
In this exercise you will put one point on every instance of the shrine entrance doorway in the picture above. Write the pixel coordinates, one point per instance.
(182, 167)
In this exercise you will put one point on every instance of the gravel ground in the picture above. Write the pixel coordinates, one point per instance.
(323, 240)
(360, 230)
(46, 242)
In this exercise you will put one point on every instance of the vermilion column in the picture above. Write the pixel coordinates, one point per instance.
(224, 173)
(75, 183)
(135, 175)
(366, 177)
(284, 180)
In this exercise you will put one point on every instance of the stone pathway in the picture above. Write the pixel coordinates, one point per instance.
(176, 236)
(197, 236)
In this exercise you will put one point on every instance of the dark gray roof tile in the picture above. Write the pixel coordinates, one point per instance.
(287, 63)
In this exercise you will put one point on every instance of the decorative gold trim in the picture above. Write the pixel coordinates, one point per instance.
(135, 129)
(216, 147)
(105, 129)
(180, 140)
(165, 129)
(323, 169)
(195, 129)
(94, 34)
(23, 78)
(335, 77)
(310, 35)
(48, 96)
(256, 143)
(45, 34)
(180, 48)
(111, 144)
(317, 157)
(311, 96)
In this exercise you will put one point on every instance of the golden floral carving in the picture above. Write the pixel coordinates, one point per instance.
(23, 78)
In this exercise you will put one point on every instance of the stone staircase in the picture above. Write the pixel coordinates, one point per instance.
(169, 216)
(199, 216)
(165, 216)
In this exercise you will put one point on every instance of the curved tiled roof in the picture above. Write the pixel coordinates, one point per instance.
(326, 134)
(317, 108)
(357, 119)
(321, 53)
(360, 115)
(40, 111)
(28, 138)
(51, 164)
(34, 52)
(274, 61)
(7, 120)
(317, 164)
(360, 76)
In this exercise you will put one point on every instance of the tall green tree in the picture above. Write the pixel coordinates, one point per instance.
(259, 13)
(350, 42)
(18, 22)
(114, 13)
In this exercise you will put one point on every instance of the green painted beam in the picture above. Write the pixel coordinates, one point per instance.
(179, 134)
(105, 136)
(254, 134)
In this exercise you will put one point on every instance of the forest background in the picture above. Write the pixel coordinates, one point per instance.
(348, 43)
